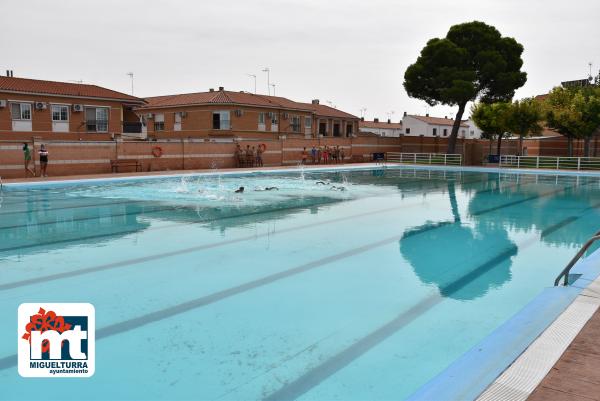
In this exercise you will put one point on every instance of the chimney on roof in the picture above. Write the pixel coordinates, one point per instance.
(362, 119)
(221, 88)
(211, 90)
(11, 74)
(427, 115)
(446, 117)
(315, 101)
(405, 114)
(375, 120)
(389, 121)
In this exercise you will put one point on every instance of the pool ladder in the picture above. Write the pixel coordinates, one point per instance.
(565, 273)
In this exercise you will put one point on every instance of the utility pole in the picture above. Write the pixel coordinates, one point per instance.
(253, 76)
(268, 71)
(131, 76)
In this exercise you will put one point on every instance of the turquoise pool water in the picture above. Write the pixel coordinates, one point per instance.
(308, 292)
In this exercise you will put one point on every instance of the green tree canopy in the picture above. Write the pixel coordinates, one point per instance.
(492, 119)
(473, 61)
(524, 118)
(574, 113)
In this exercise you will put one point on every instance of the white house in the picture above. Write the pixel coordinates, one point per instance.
(388, 129)
(474, 132)
(414, 125)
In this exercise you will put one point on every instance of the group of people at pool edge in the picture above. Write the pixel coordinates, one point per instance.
(248, 157)
(28, 159)
(323, 154)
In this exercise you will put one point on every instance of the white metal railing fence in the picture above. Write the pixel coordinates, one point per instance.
(444, 159)
(551, 162)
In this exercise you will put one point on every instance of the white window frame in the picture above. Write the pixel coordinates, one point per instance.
(298, 125)
(224, 124)
(60, 107)
(20, 117)
(96, 109)
(159, 121)
(307, 122)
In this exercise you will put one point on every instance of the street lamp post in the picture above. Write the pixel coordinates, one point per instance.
(268, 70)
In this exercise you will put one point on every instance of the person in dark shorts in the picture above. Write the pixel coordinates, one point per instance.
(43, 152)
(27, 159)
(240, 190)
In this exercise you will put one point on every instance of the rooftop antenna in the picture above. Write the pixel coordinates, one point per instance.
(253, 76)
(390, 114)
(131, 77)
(362, 112)
(590, 65)
(268, 71)
(273, 85)
(330, 103)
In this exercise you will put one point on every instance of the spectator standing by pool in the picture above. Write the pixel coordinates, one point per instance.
(238, 155)
(313, 155)
(304, 155)
(27, 159)
(319, 154)
(259, 153)
(342, 155)
(326, 155)
(43, 161)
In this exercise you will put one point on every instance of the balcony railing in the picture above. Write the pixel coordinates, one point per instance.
(96, 125)
(132, 127)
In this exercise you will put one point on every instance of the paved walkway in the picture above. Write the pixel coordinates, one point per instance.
(576, 375)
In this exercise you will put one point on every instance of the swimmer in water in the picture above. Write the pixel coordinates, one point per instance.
(240, 190)
(338, 188)
(267, 189)
(321, 183)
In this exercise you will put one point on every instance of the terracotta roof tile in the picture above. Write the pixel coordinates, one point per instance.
(436, 120)
(380, 124)
(242, 98)
(62, 89)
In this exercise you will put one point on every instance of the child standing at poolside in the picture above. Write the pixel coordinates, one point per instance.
(304, 155)
(27, 159)
(43, 161)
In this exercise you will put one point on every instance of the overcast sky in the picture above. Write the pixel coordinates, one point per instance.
(352, 53)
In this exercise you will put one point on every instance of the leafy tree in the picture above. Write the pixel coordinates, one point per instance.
(574, 113)
(473, 61)
(524, 118)
(492, 119)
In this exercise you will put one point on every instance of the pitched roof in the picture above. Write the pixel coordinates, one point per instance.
(241, 98)
(37, 86)
(379, 124)
(437, 120)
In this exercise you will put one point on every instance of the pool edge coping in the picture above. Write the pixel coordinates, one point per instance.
(516, 373)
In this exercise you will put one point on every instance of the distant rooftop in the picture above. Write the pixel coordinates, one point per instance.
(380, 124)
(56, 88)
(222, 96)
(437, 120)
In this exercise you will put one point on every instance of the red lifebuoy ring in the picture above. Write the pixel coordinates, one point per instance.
(157, 151)
(263, 146)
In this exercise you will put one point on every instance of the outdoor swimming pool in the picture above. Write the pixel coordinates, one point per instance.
(309, 291)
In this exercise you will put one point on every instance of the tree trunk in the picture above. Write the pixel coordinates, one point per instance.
(570, 146)
(453, 202)
(490, 151)
(520, 152)
(499, 144)
(586, 146)
(455, 128)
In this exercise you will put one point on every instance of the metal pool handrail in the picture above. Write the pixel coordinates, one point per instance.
(567, 269)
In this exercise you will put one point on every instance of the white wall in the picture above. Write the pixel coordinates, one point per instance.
(418, 127)
(387, 132)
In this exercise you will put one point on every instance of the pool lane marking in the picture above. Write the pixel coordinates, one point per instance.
(127, 325)
(125, 232)
(113, 265)
(317, 375)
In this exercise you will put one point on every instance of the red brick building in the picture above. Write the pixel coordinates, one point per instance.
(62, 110)
(228, 114)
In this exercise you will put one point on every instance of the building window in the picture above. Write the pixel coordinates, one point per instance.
(261, 118)
(221, 120)
(336, 129)
(60, 113)
(96, 119)
(408, 131)
(307, 122)
(323, 129)
(434, 131)
(462, 131)
(445, 131)
(159, 122)
(348, 129)
(20, 111)
(273, 118)
(295, 123)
